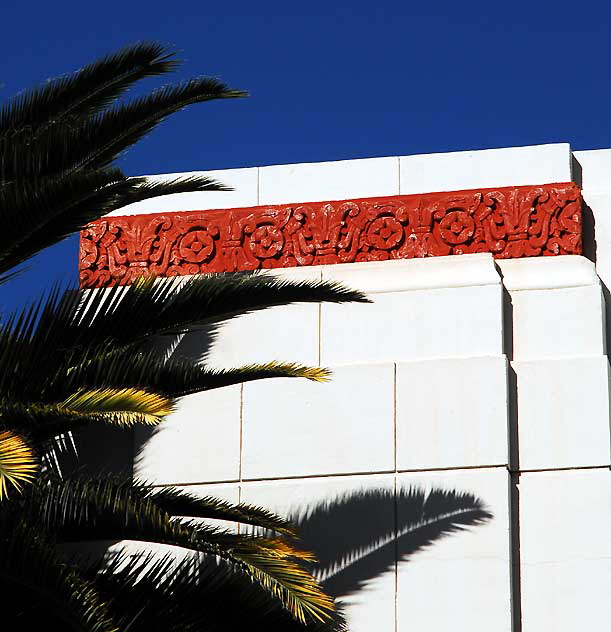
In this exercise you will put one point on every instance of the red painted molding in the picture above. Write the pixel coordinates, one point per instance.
(509, 222)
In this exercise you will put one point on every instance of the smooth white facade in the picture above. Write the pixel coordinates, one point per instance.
(465, 374)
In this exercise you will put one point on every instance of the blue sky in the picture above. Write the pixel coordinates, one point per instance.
(331, 80)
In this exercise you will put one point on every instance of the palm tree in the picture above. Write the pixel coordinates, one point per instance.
(80, 358)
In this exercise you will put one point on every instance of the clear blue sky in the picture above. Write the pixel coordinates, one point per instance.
(332, 80)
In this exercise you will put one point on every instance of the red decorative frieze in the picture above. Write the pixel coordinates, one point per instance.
(509, 222)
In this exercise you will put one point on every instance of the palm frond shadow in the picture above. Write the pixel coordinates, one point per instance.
(360, 535)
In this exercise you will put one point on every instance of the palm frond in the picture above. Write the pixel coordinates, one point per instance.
(33, 574)
(39, 213)
(171, 377)
(18, 463)
(199, 593)
(104, 509)
(149, 306)
(120, 405)
(180, 503)
(95, 142)
(73, 332)
(87, 91)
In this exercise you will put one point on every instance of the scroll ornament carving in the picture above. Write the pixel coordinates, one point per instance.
(508, 222)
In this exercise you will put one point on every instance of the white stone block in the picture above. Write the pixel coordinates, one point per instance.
(565, 550)
(547, 273)
(399, 275)
(328, 181)
(513, 166)
(198, 443)
(339, 527)
(294, 427)
(452, 413)
(563, 408)
(243, 181)
(557, 307)
(462, 580)
(418, 324)
(595, 169)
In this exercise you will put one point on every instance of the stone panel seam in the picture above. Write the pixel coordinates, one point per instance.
(394, 413)
(241, 431)
(356, 473)
(566, 469)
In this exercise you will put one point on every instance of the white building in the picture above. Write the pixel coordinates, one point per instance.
(481, 376)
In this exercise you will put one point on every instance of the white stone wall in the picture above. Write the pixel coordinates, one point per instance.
(465, 375)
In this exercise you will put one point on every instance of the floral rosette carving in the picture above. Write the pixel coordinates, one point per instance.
(508, 222)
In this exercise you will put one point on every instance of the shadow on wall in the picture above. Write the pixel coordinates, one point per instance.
(361, 535)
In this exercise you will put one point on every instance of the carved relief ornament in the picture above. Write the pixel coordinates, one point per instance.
(508, 222)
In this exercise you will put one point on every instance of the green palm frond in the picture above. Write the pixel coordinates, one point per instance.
(104, 509)
(150, 307)
(71, 333)
(57, 143)
(35, 576)
(200, 593)
(95, 142)
(18, 462)
(177, 502)
(87, 91)
(173, 376)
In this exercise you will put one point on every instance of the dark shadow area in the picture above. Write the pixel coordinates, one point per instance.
(196, 345)
(590, 251)
(99, 449)
(588, 232)
(576, 171)
(358, 536)
(193, 345)
(512, 419)
(516, 576)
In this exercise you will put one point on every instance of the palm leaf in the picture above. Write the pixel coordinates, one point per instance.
(120, 405)
(73, 332)
(88, 91)
(180, 503)
(34, 575)
(18, 462)
(90, 509)
(200, 593)
(95, 142)
(171, 377)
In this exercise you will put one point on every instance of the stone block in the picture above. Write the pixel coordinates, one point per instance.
(461, 170)
(563, 409)
(565, 550)
(198, 443)
(327, 181)
(460, 580)
(294, 427)
(346, 521)
(558, 308)
(452, 413)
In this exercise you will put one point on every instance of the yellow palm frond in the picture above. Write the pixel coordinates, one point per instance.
(18, 464)
(285, 369)
(124, 407)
